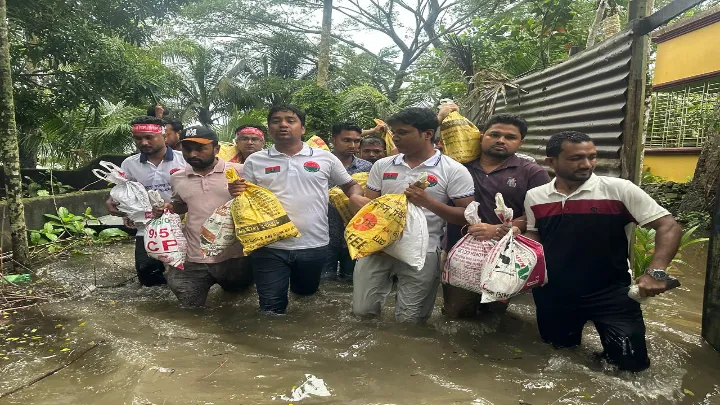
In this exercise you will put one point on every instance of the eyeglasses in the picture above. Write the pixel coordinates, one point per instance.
(246, 139)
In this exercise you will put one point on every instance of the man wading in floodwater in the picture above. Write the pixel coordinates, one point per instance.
(413, 130)
(583, 222)
(198, 190)
(497, 170)
(346, 142)
(298, 176)
(151, 168)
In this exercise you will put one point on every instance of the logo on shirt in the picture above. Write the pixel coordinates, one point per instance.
(366, 222)
(272, 169)
(390, 176)
(511, 182)
(311, 166)
(432, 180)
(177, 169)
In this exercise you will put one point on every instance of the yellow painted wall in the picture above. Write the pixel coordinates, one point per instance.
(673, 167)
(688, 55)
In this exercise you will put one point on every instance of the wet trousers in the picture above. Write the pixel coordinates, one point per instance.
(192, 284)
(149, 270)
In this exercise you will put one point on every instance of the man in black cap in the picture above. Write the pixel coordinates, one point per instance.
(199, 190)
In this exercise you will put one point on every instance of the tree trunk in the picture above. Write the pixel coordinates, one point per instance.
(701, 192)
(323, 70)
(9, 153)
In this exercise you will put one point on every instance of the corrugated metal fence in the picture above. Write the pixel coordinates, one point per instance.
(586, 93)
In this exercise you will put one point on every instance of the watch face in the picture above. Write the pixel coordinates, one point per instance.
(658, 274)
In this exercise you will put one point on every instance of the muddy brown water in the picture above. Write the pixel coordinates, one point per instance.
(153, 352)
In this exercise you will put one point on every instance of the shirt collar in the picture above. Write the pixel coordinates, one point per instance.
(169, 155)
(305, 151)
(512, 161)
(434, 160)
(587, 186)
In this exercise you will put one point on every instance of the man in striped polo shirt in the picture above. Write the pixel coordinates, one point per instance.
(584, 223)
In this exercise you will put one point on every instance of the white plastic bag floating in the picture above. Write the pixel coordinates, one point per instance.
(412, 245)
(465, 261)
(131, 196)
(514, 265)
(164, 238)
(218, 231)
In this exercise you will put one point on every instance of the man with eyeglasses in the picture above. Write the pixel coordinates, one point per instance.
(248, 140)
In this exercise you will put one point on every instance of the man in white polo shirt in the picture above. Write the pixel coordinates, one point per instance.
(413, 130)
(298, 176)
(152, 168)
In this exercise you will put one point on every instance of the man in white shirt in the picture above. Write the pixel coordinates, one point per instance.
(413, 130)
(152, 168)
(298, 176)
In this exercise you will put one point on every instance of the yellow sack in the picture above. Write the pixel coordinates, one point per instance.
(376, 225)
(259, 217)
(339, 200)
(387, 137)
(227, 151)
(317, 142)
(460, 138)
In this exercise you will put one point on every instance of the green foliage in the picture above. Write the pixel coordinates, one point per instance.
(33, 189)
(645, 248)
(64, 225)
(251, 117)
(649, 178)
(695, 219)
(362, 104)
(321, 107)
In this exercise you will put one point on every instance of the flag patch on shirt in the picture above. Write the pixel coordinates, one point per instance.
(272, 169)
(432, 180)
(311, 166)
(390, 176)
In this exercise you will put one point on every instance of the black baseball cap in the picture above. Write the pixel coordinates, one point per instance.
(198, 133)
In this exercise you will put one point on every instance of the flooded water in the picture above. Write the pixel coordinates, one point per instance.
(151, 352)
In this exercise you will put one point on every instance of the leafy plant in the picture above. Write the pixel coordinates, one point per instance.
(64, 225)
(31, 188)
(645, 248)
(695, 219)
(649, 178)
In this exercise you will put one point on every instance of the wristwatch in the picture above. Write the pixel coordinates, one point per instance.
(658, 274)
(662, 275)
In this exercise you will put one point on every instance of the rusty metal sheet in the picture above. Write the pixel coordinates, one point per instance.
(585, 93)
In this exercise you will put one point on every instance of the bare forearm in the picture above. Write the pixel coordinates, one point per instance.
(532, 235)
(667, 241)
(453, 215)
(521, 223)
(352, 189)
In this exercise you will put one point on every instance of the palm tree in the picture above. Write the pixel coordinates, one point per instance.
(210, 78)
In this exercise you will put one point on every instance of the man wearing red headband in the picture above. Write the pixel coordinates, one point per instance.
(151, 168)
(248, 140)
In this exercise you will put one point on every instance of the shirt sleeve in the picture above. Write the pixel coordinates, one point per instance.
(338, 174)
(125, 166)
(374, 181)
(538, 178)
(460, 184)
(175, 195)
(529, 214)
(248, 173)
(641, 206)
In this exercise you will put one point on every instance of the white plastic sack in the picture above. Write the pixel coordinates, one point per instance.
(412, 245)
(164, 239)
(218, 231)
(465, 261)
(131, 196)
(514, 265)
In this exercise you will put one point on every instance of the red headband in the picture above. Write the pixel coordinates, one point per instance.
(251, 131)
(151, 128)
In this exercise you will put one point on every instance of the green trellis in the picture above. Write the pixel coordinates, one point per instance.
(680, 116)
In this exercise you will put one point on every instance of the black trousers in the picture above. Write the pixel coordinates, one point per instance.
(618, 320)
(149, 270)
